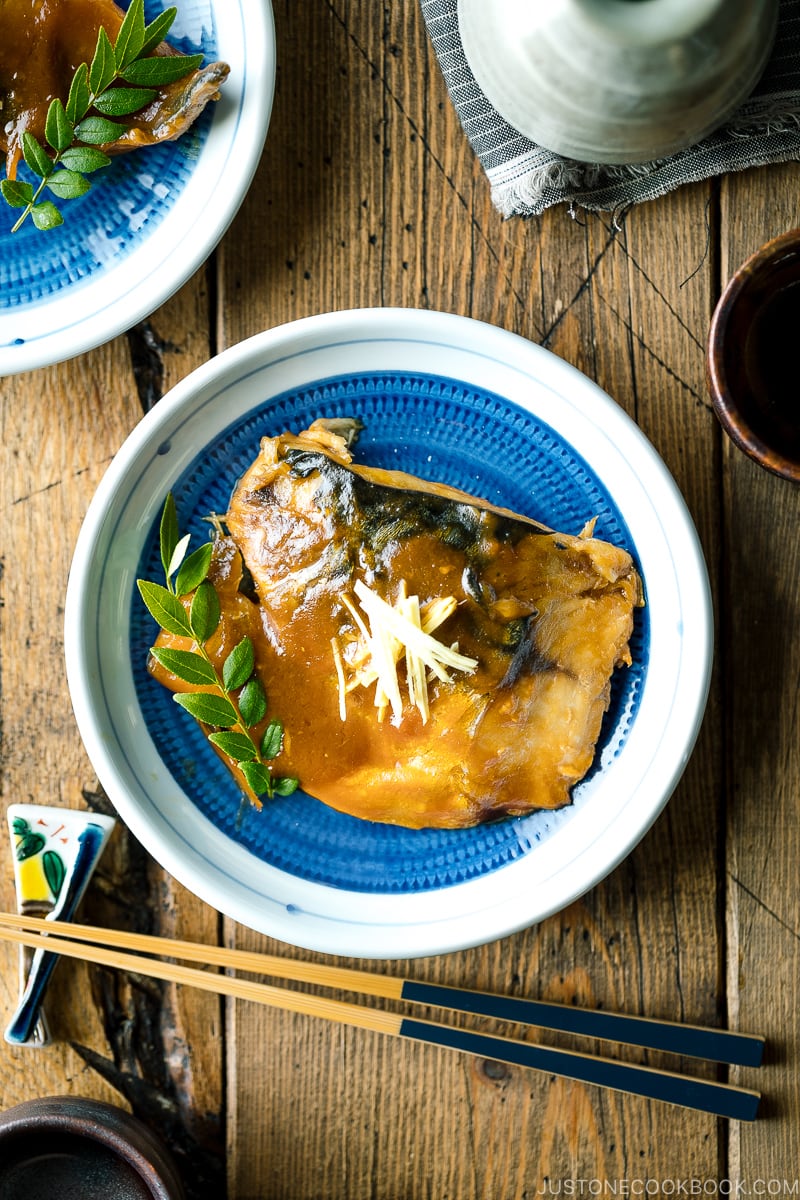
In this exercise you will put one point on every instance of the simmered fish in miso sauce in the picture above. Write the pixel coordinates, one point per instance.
(437, 661)
(42, 44)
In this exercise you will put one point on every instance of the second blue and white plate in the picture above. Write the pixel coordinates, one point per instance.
(445, 398)
(153, 216)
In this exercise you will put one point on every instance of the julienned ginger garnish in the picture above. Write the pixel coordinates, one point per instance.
(394, 632)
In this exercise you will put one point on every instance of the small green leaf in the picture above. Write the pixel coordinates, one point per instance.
(103, 67)
(46, 215)
(166, 610)
(238, 666)
(130, 38)
(54, 870)
(208, 708)
(157, 30)
(194, 569)
(204, 613)
(16, 193)
(162, 69)
(273, 739)
(186, 664)
(178, 555)
(237, 746)
(79, 98)
(31, 844)
(20, 826)
(98, 131)
(68, 185)
(58, 128)
(118, 102)
(230, 726)
(84, 159)
(257, 776)
(252, 703)
(168, 532)
(36, 156)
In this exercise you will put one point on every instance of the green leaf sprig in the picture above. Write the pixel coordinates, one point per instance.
(238, 703)
(122, 78)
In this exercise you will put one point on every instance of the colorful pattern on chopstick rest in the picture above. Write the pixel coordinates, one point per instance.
(44, 843)
(436, 428)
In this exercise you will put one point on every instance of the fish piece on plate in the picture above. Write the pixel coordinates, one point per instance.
(436, 660)
(41, 47)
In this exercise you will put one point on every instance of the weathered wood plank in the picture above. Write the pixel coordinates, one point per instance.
(45, 483)
(761, 613)
(153, 1049)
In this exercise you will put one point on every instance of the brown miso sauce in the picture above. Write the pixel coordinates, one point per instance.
(770, 356)
(41, 47)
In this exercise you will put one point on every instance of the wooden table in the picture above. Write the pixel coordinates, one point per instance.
(369, 195)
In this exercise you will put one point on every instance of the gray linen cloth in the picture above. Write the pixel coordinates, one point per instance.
(526, 179)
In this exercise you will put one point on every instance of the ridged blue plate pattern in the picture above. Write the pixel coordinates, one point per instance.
(153, 215)
(447, 399)
(437, 429)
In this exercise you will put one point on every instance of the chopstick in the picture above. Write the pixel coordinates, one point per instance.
(102, 947)
(694, 1041)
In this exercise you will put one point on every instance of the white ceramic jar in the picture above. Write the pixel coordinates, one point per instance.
(616, 81)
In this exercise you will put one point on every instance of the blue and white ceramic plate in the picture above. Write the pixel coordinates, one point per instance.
(449, 399)
(153, 216)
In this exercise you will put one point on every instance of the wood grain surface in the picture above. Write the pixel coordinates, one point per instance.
(369, 195)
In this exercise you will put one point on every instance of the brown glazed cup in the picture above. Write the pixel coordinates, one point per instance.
(752, 356)
(79, 1149)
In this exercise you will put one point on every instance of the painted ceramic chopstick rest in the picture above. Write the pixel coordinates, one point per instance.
(55, 852)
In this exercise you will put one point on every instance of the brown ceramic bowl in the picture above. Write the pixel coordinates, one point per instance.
(79, 1149)
(752, 356)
